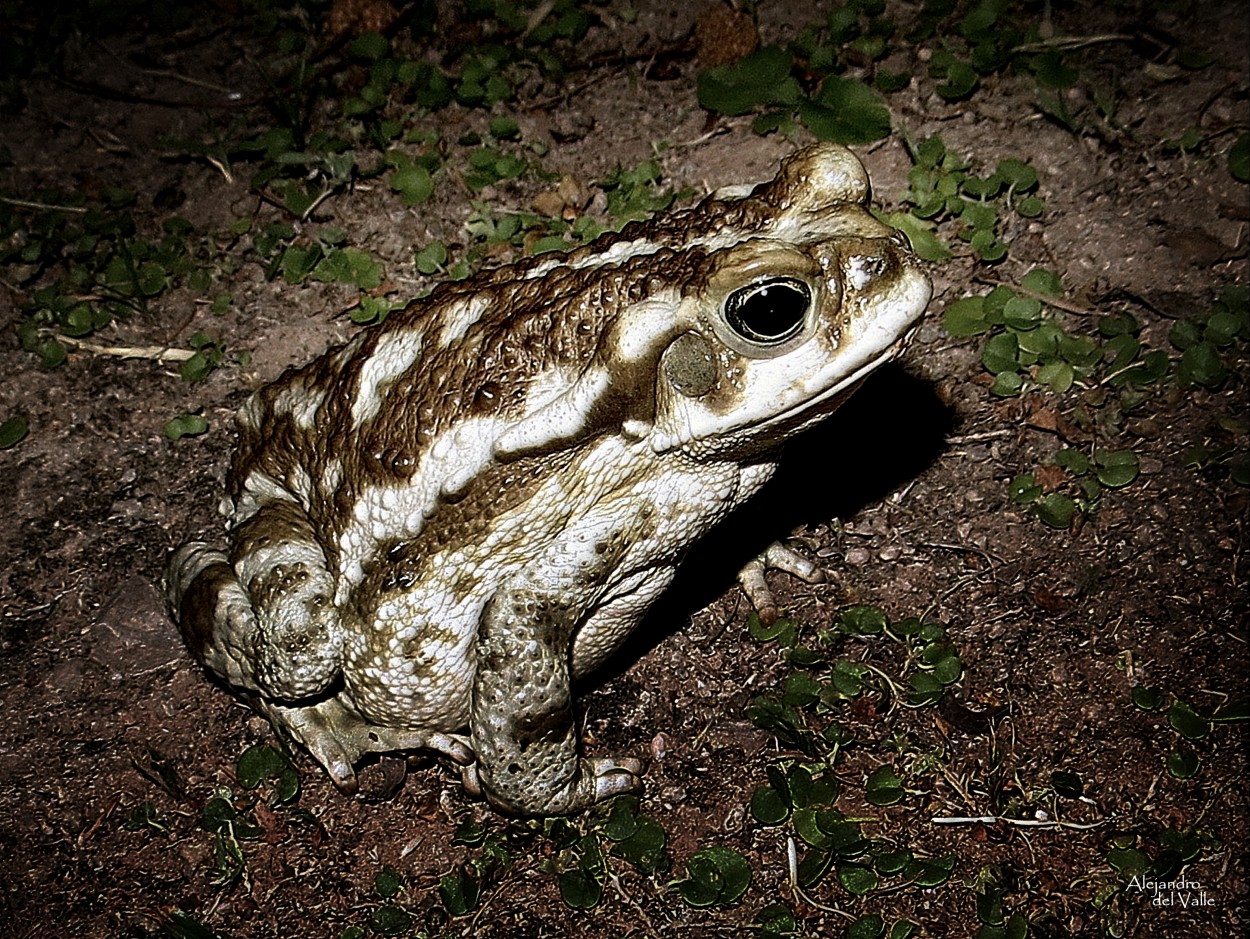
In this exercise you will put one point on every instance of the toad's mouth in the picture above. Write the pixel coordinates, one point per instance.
(820, 405)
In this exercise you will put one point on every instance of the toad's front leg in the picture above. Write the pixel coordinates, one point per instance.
(522, 723)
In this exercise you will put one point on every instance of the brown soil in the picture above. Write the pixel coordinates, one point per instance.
(105, 713)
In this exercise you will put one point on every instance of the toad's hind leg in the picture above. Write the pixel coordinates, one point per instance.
(263, 618)
(522, 723)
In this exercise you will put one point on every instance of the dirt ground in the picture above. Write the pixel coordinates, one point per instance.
(112, 740)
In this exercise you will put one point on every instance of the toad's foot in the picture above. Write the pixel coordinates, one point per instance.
(338, 738)
(776, 557)
(597, 779)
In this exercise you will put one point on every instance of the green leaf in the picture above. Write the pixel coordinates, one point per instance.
(981, 188)
(1223, 327)
(1001, 353)
(847, 678)
(460, 892)
(1056, 510)
(868, 926)
(12, 431)
(762, 633)
(1020, 176)
(1120, 351)
(1030, 207)
(373, 309)
(920, 234)
(186, 425)
(261, 763)
(902, 929)
(1058, 376)
(257, 764)
(1074, 461)
(1052, 71)
(931, 872)
(1185, 333)
(1183, 762)
(579, 889)
(1007, 384)
(980, 216)
(890, 82)
(1187, 722)
(369, 46)
(718, 876)
(1128, 861)
(990, 906)
(814, 866)
(961, 80)
(1067, 784)
(1116, 468)
(1147, 698)
(805, 827)
(768, 806)
(178, 925)
(1239, 158)
(987, 248)
(298, 262)
(883, 787)
(945, 662)
(809, 792)
(801, 689)
(890, 863)
(926, 688)
(845, 111)
(862, 620)
(386, 883)
(1194, 58)
(1022, 313)
(1234, 711)
(152, 278)
(349, 266)
(965, 317)
(1042, 280)
(414, 183)
(1200, 364)
(930, 152)
(858, 880)
(645, 848)
(761, 78)
(776, 920)
(390, 920)
(505, 128)
(431, 258)
(622, 821)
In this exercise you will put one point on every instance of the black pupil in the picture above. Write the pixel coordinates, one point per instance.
(770, 312)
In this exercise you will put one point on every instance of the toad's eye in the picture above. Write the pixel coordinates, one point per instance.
(768, 312)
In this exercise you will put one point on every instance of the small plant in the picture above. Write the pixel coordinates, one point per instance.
(717, 876)
(82, 263)
(1106, 374)
(842, 109)
(271, 783)
(1191, 725)
(13, 431)
(996, 922)
(943, 190)
(802, 792)
(579, 853)
(582, 865)
(388, 918)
